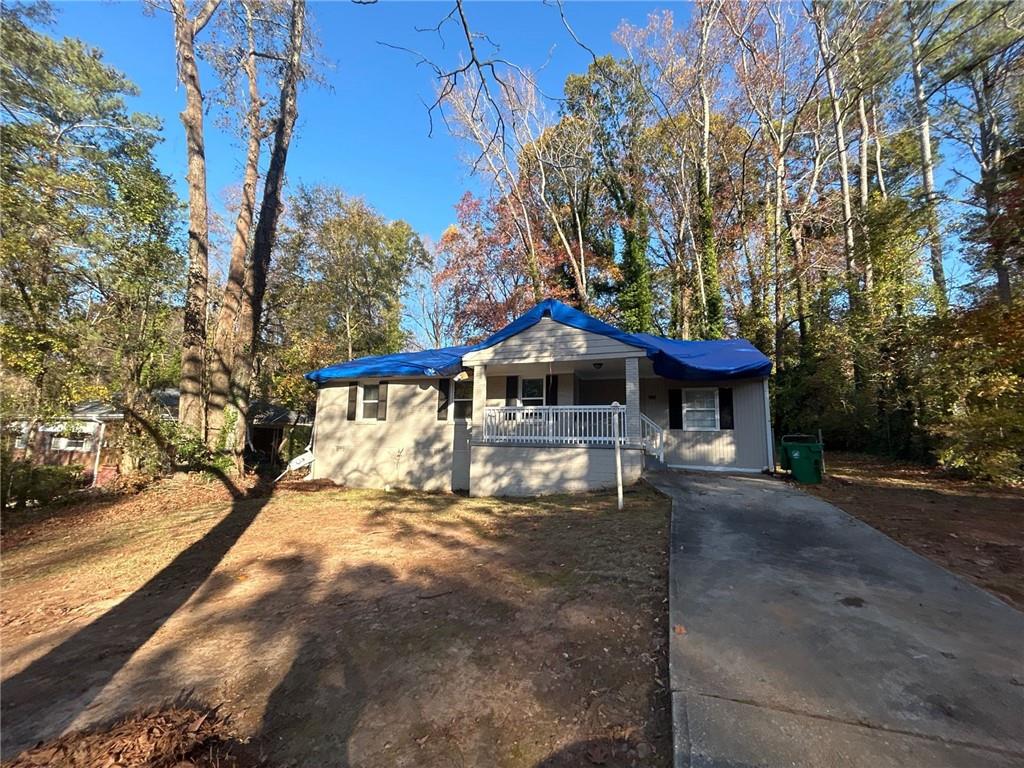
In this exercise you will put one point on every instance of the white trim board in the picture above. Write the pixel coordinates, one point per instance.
(713, 468)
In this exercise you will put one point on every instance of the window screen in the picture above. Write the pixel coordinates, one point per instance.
(462, 400)
(700, 409)
(371, 398)
(532, 392)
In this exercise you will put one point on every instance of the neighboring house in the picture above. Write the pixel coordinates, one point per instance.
(88, 436)
(530, 409)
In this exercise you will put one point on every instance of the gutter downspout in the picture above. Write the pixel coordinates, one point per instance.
(99, 450)
(769, 441)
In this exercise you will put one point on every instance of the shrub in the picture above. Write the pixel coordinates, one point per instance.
(26, 483)
(976, 379)
(187, 450)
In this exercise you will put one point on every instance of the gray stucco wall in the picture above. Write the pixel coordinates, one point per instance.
(517, 470)
(411, 449)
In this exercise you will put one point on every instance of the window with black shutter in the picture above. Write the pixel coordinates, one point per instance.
(443, 398)
(462, 399)
(675, 409)
(725, 411)
(353, 391)
(371, 396)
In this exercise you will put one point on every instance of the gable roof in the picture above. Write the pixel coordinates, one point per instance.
(560, 313)
(671, 358)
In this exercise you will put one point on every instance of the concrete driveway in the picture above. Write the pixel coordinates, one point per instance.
(803, 637)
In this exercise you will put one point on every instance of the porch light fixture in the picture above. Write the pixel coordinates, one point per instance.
(597, 366)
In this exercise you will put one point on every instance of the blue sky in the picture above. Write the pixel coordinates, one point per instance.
(367, 130)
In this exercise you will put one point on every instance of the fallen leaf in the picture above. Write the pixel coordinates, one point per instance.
(680, 629)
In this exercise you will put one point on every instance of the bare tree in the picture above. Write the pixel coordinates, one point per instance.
(482, 120)
(435, 317)
(473, 88)
(923, 117)
(780, 78)
(830, 56)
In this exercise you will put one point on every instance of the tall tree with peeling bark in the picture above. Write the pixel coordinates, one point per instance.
(251, 31)
(191, 410)
(270, 211)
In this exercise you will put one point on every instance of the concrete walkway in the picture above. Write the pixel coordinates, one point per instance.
(803, 637)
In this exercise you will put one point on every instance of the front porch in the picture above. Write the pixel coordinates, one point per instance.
(569, 425)
(550, 407)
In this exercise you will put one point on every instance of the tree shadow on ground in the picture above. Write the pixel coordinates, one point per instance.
(413, 630)
(44, 698)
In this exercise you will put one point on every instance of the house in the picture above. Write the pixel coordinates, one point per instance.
(89, 435)
(537, 407)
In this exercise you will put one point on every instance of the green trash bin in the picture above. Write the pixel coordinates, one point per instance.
(802, 455)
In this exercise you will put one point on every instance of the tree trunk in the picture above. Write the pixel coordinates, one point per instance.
(931, 199)
(849, 243)
(879, 170)
(270, 210)
(865, 190)
(714, 310)
(193, 342)
(223, 356)
(991, 146)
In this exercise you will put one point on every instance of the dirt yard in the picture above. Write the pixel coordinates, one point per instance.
(350, 627)
(972, 529)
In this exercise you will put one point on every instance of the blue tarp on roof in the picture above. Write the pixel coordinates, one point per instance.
(706, 360)
(671, 358)
(563, 314)
(430, 362)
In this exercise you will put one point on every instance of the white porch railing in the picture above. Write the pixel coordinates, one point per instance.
(653, 437)
(555, 424)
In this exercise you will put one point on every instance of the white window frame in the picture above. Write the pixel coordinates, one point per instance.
(543, 389)
(718, 413)
(453, 400)
(86, 446)
(362, 399)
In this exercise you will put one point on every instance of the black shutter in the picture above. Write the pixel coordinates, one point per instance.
(511, 390)
(444, 387)
(675, 409)
(725, 417)
(382, 401)
(551, 397)
(352, 401)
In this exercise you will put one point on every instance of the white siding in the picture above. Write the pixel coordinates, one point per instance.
(744, 447)
(550, 341)
(516, 470)
(411, 449)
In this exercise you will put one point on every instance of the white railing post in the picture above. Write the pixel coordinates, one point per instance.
(556, 424)
(618, 451)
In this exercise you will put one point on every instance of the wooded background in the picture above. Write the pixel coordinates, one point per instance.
(799, 174)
